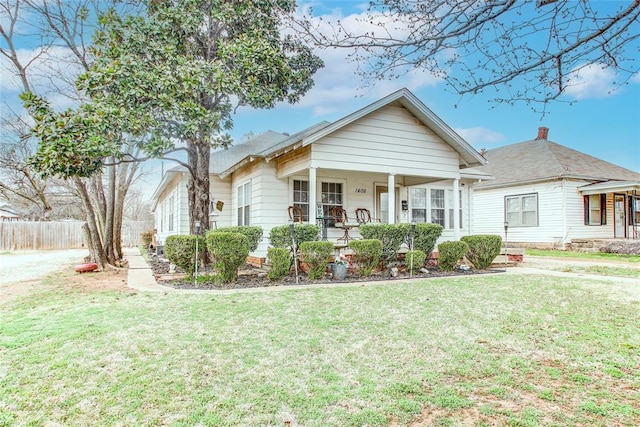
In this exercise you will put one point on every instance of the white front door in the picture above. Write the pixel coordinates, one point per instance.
(619, 216)
(382, 204)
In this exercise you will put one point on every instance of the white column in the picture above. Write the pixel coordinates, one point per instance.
(391, 187)
(312, 196)
(456, 209)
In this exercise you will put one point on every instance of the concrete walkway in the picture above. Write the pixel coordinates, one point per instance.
(140, 276)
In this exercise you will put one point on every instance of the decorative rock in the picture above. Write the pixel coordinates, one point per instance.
(424, 271)
(172, 268)
(393, 272)
(262, 275)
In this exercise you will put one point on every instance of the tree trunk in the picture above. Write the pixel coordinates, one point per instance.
(109, 229)
(198, 186)
(94, 242)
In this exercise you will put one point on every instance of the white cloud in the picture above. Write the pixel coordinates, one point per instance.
(478, 136)
(591, 81)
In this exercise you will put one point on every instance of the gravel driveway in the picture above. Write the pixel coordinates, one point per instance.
(20, 266)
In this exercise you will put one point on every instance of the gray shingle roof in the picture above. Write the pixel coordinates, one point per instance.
(222, 160)
(540, 160)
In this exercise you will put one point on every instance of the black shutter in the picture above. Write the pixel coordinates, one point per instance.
(603, 209)
(586, 209)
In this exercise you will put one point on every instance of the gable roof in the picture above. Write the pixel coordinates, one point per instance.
(272, 144)
(543, 160)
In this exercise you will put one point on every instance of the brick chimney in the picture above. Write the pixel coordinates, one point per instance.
(543, 133)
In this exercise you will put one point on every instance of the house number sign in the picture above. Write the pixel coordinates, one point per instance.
(361, 190)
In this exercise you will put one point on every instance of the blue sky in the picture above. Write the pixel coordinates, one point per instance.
(601, 123)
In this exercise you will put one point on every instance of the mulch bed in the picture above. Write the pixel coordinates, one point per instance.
(251, 277)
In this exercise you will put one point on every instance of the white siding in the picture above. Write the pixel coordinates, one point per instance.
(176, 190)
(560, 213)
(221, 190)
(390, 140)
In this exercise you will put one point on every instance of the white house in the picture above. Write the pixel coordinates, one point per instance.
(550, 195)
(395, 158)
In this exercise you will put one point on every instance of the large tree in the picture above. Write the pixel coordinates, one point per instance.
(526, 50)
(177, 72)
(79, 144)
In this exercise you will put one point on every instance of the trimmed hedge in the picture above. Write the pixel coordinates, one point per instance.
(483, 249)
(229, 252)
(253, 232)
(280, 236)
(280, 259)
(416, 262)
(450, 253)
(181, 250)
(427, 235)
(316, 255)
(368, 253)
(391, 236)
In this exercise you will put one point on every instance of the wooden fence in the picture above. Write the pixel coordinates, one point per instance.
(21, 235)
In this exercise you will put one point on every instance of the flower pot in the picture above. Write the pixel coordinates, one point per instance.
(339, 271)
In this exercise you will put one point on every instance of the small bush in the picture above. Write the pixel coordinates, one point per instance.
(426, 237)
(147, 238)
(253, 233)
(368, 253)
(450, 253)
(280, 237)
(229, 251)
(316, 255)
(391, 236)
(280, 259)
(181, 250)
(483, 249)
(414, 260)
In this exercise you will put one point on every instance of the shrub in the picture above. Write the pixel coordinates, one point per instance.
(229, 251)
(414, 260)
(391, 236)
(181, 250)
(316, 255)
(368, 253)
(147, 238)
(253, 233)
(280, 259)
(483, 249)
(450, 253)
(426, 236)
(280, 237)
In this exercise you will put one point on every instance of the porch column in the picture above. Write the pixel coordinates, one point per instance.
(456, 209)
(391, 188)
(312, 196)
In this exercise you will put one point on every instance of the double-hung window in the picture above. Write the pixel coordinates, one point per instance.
(522, 210)
(330, 197)
(595, 209)
(450, 203)
(419, 204)
(244, 204)
(171, 207)
(301, 197)
(437, 206)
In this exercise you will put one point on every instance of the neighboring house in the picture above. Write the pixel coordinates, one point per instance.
(395, 143)
(550, 195)
(7, 214)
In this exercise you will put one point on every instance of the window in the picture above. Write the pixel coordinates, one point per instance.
(450, 204)
(634, 210)
(419, 204)
(522, 210)
(437, 206)
(330, 197)
(301, 197)
(170, 222)
(595, 209)
(244, 204)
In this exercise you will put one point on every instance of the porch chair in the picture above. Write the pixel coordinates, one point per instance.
(363, 216)
(295, 214)
(342, 221)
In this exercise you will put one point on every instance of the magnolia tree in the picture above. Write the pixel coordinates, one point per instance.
(176, 73)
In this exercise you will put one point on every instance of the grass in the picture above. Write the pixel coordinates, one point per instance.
(603, 270)
(480, 350)
(583, 255)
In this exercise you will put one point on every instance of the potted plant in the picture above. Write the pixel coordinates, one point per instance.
(339, 267)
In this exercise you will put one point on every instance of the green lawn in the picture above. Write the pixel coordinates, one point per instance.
(479, 350)
(595, 256)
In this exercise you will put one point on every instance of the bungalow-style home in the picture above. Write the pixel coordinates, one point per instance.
(549, 195)
(395, 159)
